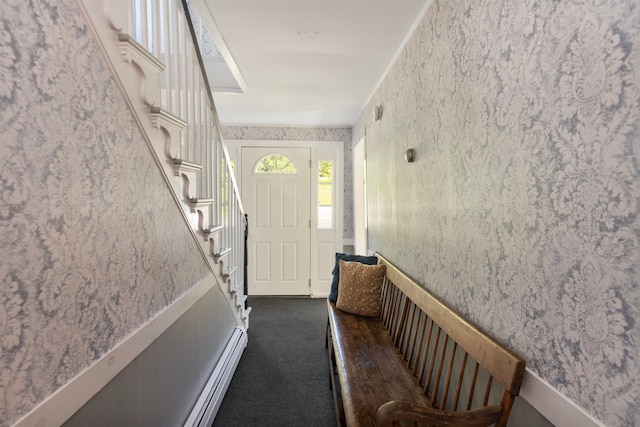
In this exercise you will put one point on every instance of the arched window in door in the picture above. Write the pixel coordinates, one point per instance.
(276, 164)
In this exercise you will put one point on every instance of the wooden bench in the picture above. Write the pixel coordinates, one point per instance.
(419, 361)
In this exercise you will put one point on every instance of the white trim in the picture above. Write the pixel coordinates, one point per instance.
(206, 15)
(320, 295)
(360, 196)
(348, 242)
(206, 408)
(553, 405)
(68, 399)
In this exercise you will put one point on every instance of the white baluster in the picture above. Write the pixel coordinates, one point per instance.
(165, 47)
(155, 29)
(189, 93)
(175, 73)
(142, 33)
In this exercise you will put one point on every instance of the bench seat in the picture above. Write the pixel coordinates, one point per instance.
(373, 373)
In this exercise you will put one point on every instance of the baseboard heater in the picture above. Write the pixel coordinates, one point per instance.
(211, 397)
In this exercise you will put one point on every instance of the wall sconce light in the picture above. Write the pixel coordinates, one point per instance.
(377, 113)
(410, 155)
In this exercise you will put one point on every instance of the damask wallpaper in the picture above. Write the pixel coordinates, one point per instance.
(265, 133)
(522, 208)
(91, 243)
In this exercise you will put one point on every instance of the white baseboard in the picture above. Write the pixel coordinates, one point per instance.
(553, 405)
(210, 399)
(320, 295)
(67, 400)
(348, 242)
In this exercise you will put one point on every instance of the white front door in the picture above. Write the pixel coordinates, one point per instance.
(276, 194)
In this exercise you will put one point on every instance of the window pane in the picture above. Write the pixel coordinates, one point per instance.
(325, 194)
(275, 163)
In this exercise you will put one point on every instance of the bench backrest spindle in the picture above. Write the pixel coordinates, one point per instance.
(401, 321)
(447, 381)
(456, 397)
(424, 353)
(422, 324)
(473, 386)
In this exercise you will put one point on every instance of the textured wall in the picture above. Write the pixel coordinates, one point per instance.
(522, 207)
(91, 243)
(265, 133)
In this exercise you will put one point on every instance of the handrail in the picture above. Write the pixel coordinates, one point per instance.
(234, 183)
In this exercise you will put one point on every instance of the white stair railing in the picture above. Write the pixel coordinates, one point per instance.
(179, 97)
(162, 28)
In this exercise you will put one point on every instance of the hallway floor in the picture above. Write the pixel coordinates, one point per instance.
(283, 376)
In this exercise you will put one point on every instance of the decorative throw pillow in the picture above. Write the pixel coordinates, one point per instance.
(360, 288)
(369, 260)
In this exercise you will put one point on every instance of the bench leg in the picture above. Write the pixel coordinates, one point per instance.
(327, 334)
(329, 348)
(333, 380)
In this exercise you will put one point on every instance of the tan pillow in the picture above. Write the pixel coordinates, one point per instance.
(360, 288)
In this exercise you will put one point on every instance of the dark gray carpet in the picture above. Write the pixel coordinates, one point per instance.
(283, 376)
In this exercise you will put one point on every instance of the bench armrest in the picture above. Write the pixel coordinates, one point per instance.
(395, 410)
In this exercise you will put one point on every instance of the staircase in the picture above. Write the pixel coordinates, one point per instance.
(153, 51)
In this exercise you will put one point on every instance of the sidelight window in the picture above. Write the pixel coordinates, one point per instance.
(325, 194)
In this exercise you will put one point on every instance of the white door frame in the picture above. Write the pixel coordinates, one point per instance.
(359, 196)
(322, 252)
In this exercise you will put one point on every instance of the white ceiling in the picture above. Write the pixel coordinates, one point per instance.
(305, 62)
